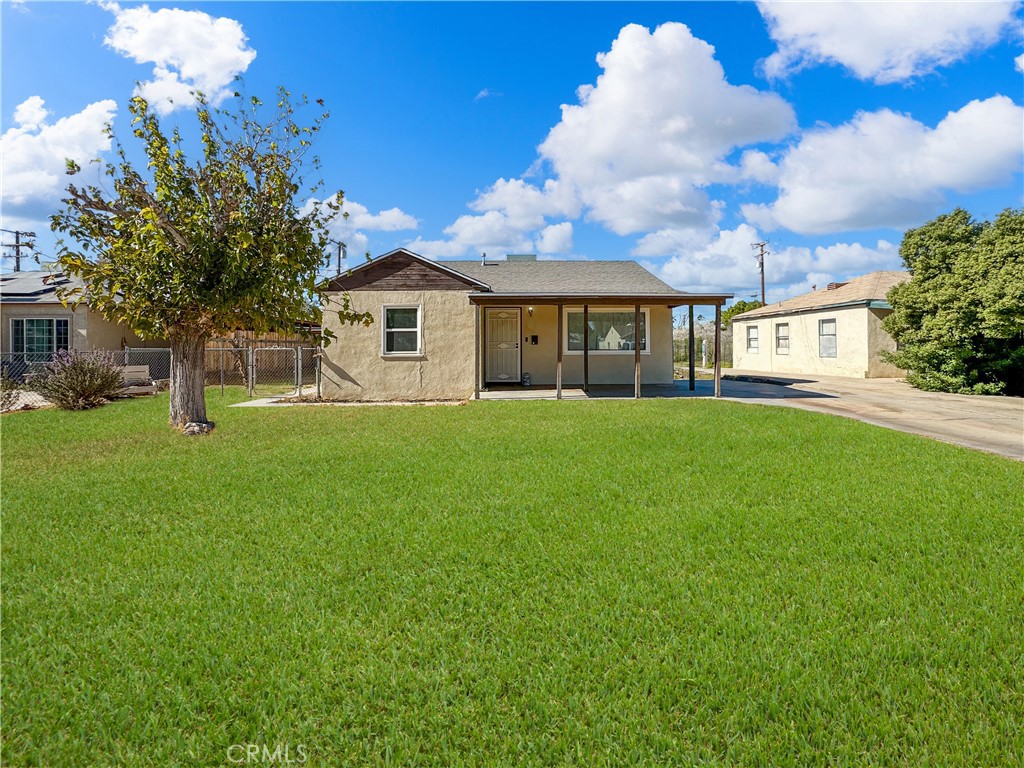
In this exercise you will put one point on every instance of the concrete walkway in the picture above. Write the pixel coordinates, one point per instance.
(993, 424)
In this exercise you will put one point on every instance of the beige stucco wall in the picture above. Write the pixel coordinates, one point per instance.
(104, 334)
(354, 367)
(878, 341)
(87, 330)
(540, 361)
(77, 328)
(853, 352)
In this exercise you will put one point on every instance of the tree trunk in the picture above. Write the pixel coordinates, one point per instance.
(188, 379)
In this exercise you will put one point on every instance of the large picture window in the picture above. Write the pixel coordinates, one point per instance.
(827, 338)
(611, 331)
(402, 330)
(39, 335)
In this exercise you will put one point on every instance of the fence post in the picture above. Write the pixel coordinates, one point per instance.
(251, 365)
(222, 373)
(126, 355)
(318, 358)
(298, 372)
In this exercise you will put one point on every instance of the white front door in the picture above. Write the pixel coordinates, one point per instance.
(502, 341)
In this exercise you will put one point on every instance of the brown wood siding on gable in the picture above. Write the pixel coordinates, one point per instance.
(399, 274)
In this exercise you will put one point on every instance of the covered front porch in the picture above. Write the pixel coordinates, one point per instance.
(572, 346)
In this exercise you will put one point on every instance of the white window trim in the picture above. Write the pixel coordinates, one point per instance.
(54, 318)
(645, 311)
(835, 336)
(384, 331)
(753, 350)
(780, 350)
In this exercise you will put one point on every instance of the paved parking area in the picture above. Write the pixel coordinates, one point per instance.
(994, 424)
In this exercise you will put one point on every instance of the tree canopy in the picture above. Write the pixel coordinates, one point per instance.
(186, 250)
(738, 308)
(959, 321)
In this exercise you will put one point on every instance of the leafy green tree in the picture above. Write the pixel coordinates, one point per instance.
(186, 251)
(959, 322)
(738, 308)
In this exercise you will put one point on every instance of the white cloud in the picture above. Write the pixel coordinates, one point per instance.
(757, 166)
(727, 263)
(655, 128)
(31, 114)
(526, 205)
(556, 238)
(352, 229)
(189, 50)
(885, 169)
(1019, 63)
(636, 151)
(33, 175)
(884, 42)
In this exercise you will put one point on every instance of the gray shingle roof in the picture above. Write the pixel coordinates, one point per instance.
(870, 287)
(563, 277)
(36, 287)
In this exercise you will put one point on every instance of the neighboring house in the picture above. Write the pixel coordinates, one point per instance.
(836, 331)
(444, 330)
(34, 324)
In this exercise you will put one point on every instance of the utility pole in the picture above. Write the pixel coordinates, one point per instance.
(342, 253)
(17, 245)
(762, 251)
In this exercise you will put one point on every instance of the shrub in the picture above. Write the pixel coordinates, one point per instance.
(75, 381)
(9, 390)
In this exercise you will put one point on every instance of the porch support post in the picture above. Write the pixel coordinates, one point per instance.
(718, 350)
(692, 352)
(586, 348)
(636, 350)
(558, 364)
(477, 367)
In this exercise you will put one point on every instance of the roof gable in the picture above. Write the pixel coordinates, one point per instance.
(402, 269)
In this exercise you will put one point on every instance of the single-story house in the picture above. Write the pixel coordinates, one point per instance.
(835, 331)
(34, 324)
(445, 330)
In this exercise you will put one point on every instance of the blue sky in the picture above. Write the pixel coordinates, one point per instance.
(688, 131)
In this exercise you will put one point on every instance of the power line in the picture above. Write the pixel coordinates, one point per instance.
(17, 245)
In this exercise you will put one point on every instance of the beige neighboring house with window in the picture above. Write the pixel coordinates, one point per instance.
(34, 324)
(836, 331)
(445, 330)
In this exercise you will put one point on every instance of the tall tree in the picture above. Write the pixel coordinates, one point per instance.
(959, 321)
(186, 250)
(739, 307)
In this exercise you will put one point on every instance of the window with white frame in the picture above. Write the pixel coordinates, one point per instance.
(402, 330)
(611, 331)
(39, 335)
(752, 339)
(827, 338)
(782, 338)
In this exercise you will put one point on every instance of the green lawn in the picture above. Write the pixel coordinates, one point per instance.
(507, 583)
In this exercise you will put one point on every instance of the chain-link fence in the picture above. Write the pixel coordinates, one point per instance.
(263, 371)
(704, 347)
(16, 375)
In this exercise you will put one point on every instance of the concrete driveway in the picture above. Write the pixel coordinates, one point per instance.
(994, 424)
